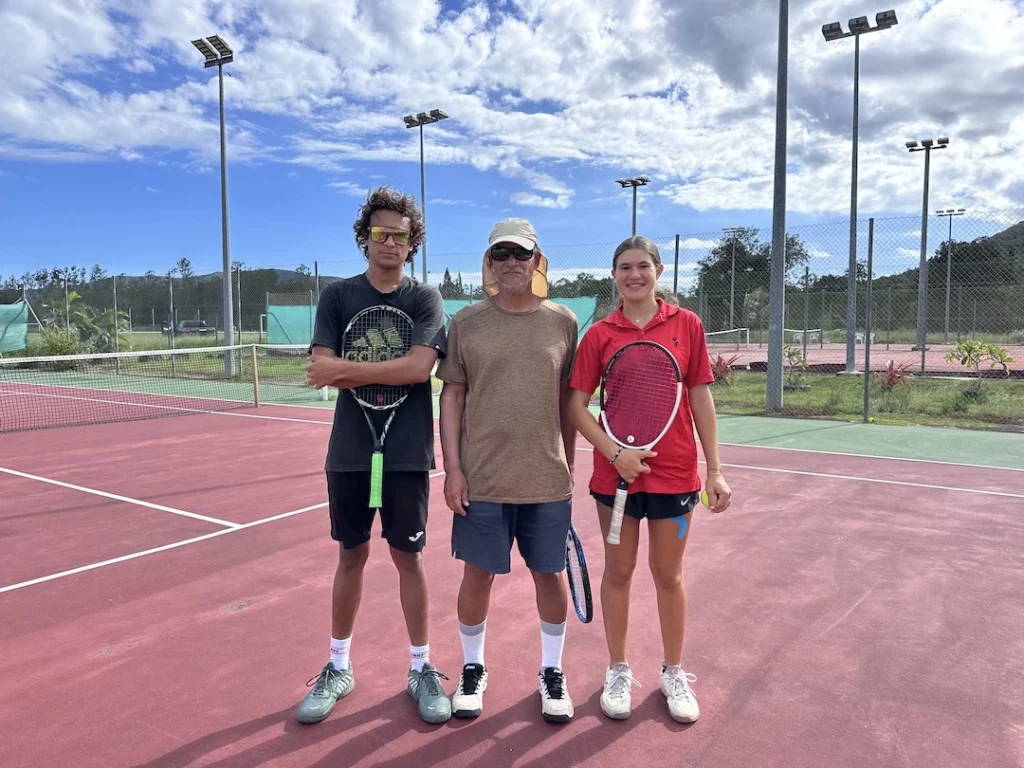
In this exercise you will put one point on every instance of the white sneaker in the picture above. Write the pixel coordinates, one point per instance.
(617, 700)
(468, 700)
(554, 696)
(675, 684)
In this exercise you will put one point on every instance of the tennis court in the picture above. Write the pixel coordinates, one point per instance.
(165, 587)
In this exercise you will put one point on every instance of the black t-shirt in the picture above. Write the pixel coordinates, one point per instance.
(409, 445)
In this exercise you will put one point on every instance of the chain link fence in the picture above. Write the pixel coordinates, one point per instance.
(968, 310)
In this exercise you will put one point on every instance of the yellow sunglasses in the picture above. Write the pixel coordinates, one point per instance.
(380, 235)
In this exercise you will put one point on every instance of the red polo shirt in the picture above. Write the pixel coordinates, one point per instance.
(674, 469)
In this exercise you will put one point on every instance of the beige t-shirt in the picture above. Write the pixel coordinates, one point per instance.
(512, 365)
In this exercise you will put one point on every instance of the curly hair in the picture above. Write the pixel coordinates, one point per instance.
(385, 199)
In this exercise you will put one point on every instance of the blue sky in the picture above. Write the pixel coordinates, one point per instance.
(114, 161)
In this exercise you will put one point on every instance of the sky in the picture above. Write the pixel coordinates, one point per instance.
(109, 135)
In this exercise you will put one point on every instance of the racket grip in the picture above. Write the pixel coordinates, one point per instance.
(376, 479)
(615, 529)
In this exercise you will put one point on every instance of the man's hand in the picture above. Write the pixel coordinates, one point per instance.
(630, 464)
(456, 491)
(323, 371)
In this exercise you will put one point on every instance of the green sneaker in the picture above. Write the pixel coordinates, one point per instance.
(329, 686)
(425, 688)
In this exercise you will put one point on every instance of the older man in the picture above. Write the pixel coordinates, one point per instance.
(508, 453)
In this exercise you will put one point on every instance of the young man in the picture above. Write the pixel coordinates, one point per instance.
(508, 450)
(389, 229)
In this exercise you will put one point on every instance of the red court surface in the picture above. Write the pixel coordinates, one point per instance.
(847, 611)
(832, 357)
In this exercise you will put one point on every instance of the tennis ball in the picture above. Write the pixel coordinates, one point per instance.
(871, 419)
(704, 499)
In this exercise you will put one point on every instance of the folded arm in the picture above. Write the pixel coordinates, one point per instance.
(326, 368)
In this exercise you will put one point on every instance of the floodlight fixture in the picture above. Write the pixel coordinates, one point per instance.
(418, 121)
(859, 25)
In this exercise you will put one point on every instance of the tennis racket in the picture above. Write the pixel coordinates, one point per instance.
(640, 393)
(374, 335)
(579, 579)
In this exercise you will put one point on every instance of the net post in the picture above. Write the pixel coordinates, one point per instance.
(255, 377)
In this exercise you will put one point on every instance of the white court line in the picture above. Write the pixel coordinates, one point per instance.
(126, 499)
(173, 545)
(196, 411)
(872, 456)
(856, 478)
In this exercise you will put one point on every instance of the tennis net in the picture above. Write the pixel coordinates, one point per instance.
(74, 390)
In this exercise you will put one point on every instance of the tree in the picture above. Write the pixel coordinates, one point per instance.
(753, 270)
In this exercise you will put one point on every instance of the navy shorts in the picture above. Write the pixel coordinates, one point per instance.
(403, 512)
(654, 506)
(483, 536)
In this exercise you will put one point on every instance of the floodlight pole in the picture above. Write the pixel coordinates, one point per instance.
(926, 146)
(832, 32)
(949, 262)
(777, 285)
(218, 58)
(732, 232)
(639, 181)
(418, 121)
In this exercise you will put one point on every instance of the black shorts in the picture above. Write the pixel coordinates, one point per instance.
(403, 513)
(654, 506)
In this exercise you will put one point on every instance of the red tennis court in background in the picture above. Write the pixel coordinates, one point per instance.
(165, 589)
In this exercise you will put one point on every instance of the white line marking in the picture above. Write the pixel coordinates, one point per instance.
(126, 499)
(856, 478)
(173, 545)
(880, 481)
(155, 550)
(179, 409)
(872, 456)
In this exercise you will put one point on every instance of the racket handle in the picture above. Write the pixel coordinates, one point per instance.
(376, 479)
(615, 529)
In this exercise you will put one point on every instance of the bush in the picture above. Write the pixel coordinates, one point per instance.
(59, 342)
(722, 369)
(892, 376)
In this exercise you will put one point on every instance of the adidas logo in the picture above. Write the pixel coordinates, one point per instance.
(377, 346)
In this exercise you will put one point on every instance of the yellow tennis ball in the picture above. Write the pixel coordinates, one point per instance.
(871, 419)
(704, 499)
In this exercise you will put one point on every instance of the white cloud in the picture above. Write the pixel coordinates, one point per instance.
(535, 90)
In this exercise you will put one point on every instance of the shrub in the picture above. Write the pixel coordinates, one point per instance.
(893, 376)
(722, 369)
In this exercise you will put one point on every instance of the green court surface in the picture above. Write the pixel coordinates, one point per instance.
(957, 446)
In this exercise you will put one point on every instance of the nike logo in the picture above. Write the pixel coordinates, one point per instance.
(416, 537)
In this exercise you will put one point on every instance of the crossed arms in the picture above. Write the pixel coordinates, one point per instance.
(326, 368)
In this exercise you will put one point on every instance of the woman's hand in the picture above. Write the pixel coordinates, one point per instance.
(719, 493)
(630, 464)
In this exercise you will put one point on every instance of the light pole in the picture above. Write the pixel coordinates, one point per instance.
(733, 233)
(832, 32)
(217, 57)
(951, 212)
(926, 146)
(777, 285)
(418, 121)
(639, 181)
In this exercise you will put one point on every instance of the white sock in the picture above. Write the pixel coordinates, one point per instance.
(339, 652)
(552, 641)
(418, 656)
(473, 642)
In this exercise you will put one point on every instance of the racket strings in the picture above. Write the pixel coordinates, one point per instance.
(374, 337)
(640, 395)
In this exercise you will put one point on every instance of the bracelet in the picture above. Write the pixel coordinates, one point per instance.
(715, 472)
(616, 456)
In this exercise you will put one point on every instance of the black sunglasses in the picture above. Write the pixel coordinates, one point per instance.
(499, 253)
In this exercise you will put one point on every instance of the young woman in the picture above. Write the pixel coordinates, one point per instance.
(664, 484)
